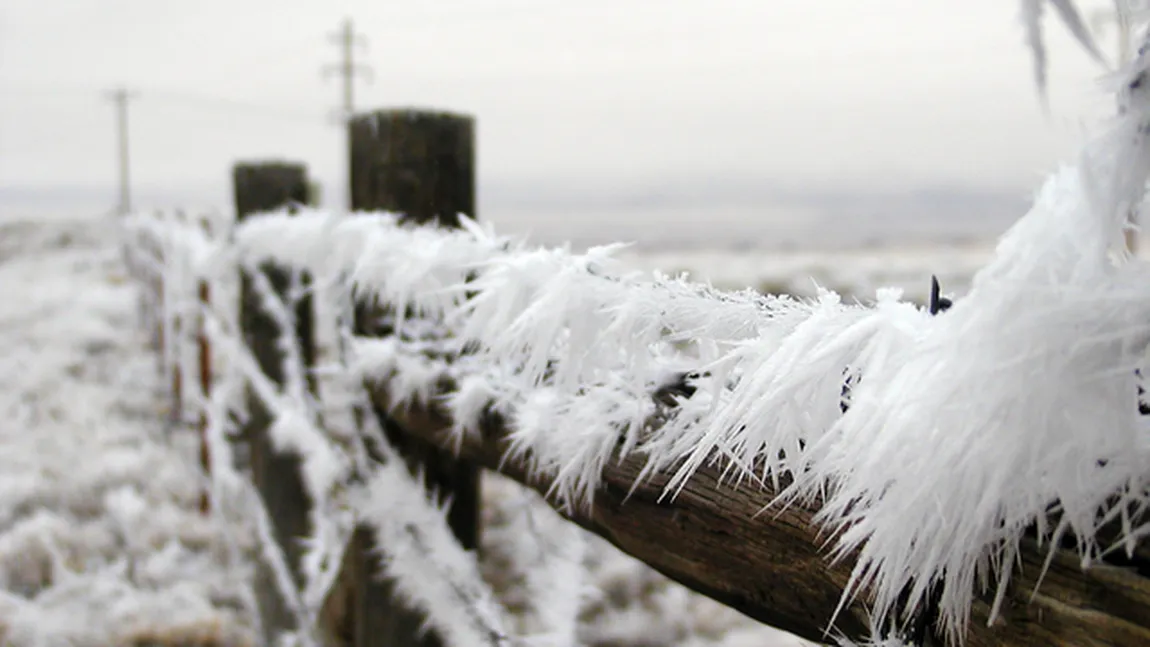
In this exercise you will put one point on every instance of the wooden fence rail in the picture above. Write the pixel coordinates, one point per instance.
(772, 567)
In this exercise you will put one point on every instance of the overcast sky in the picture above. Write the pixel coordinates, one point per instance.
(578, 96)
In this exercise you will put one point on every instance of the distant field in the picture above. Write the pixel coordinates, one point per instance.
(852, 273)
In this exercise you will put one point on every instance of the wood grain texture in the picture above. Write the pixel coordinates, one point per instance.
(773, 567)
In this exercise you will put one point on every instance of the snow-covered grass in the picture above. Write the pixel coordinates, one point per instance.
(100, 540)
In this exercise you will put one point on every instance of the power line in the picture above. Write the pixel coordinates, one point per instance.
(120, 97)
(160, 95)
(347, 68)
(281, 112)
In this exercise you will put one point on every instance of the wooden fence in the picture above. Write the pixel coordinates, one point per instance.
(772, 567)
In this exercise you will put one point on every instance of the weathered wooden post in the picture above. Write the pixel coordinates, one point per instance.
(205, 371)
(263, 187)
(175, 335)
(169, 327)
(205, 365)
(420, 164)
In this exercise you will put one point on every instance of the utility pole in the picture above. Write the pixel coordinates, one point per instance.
(120, 98)
(347, 68)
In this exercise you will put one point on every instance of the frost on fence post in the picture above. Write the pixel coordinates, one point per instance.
(262, 187)
(420, 164)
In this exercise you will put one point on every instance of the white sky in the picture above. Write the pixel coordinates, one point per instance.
(864, 95)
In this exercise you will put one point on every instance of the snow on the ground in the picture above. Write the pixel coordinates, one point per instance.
(101, 540)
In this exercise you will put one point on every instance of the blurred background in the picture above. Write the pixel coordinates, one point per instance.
(714, 134)
(774, 144)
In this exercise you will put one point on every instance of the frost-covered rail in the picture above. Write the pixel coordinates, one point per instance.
(713, 537)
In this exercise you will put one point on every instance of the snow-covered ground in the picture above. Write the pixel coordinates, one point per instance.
(101, 540)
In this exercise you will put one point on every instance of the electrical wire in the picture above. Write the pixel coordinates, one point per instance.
(168, 95)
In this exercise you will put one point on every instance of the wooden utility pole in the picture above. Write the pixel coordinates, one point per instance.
(263, 187)
(420, 164)
(347, 69)
(120, 97)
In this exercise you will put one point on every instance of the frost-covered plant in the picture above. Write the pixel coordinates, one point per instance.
(1032, 14)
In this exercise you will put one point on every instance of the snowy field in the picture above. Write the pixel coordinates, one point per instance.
(101, 542)
(850, 272)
